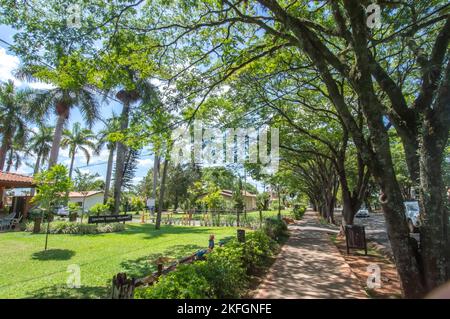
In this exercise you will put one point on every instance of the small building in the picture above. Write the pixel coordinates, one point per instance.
(89, 198)
(19, 204)
(249, 198)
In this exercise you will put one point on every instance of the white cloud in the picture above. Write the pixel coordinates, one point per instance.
(8, 63)
(24, 170)
(148, 162)
(102, 157)
(40, 85)
(137, 179)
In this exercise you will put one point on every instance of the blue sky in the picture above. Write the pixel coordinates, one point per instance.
(97, 164)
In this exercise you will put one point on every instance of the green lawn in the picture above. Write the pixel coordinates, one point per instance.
(255, 214)
(28, 272)
(270, 213)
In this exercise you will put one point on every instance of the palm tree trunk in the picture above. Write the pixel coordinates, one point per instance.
(4, 150)
(108, 174)
(35, 171)
(120, 157)
(57, 139)
(72, 159)
(10, 159)
(161, 194)
(155, 175)
(37, 164)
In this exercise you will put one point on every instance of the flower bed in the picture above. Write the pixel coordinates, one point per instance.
(64, 227)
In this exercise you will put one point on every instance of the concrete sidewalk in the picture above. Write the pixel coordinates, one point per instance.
(310, 266)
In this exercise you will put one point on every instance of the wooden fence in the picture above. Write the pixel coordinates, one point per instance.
(123, 287)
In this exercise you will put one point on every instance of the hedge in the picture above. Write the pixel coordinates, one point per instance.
(64, 227)
(224, 273)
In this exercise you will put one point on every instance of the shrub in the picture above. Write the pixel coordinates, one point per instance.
(258, 248)
(184, 283)
(110, 228)
(222, 275)
(299, 211)
(275, 228)
(98, 209)
(274, 205)
(63, 227)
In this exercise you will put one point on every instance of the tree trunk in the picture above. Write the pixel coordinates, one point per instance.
(161, 194)
(57, 138)
(72, 159)
(10, 159)
(108, 174)
(35, 171)
(279, 203)
(175, 204)
(6, 142)
(434, 241)
(120, 157)
(155, 174)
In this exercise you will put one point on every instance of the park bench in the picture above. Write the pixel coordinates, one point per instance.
(9, 221)
(355, 237)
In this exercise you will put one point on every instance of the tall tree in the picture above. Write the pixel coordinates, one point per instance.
(78, 139)
(104, 140)
(40, 143)
(14, 114)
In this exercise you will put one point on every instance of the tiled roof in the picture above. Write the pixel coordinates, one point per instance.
(15, 180)
(84, 194)
(229, 193)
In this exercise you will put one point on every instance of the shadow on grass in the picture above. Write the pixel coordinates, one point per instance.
(151, 232)
(144, 266)
(64, 292)
(53, 254)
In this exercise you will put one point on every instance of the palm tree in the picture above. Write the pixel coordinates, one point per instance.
(16, 153)
(103, 139)
(67, 94)
(13, 117)
(41, 144)
(146, 92)
(78, 139)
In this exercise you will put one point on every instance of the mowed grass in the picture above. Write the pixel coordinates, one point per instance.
(27, 271)
(252, 214)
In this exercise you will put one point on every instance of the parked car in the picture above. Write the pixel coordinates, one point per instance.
(412, 212)
(363, 212)
(62, 211)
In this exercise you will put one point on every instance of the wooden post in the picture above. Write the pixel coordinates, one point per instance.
(122, 287)
(160, 269)
(241, 235)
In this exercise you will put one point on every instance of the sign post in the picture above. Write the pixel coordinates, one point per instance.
(355, 237)
(109, 218)
(241, 235)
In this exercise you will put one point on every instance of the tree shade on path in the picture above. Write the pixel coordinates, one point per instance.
(310, 266)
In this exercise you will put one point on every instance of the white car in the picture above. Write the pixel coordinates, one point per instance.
(62, 211)
(362, 213)
(412, 212)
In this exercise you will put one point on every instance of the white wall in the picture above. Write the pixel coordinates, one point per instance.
(89, 201)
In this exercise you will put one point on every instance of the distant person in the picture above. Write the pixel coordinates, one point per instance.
(201, 253)
(211, 243)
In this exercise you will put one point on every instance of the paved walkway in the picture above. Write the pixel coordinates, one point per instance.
(310, 266)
